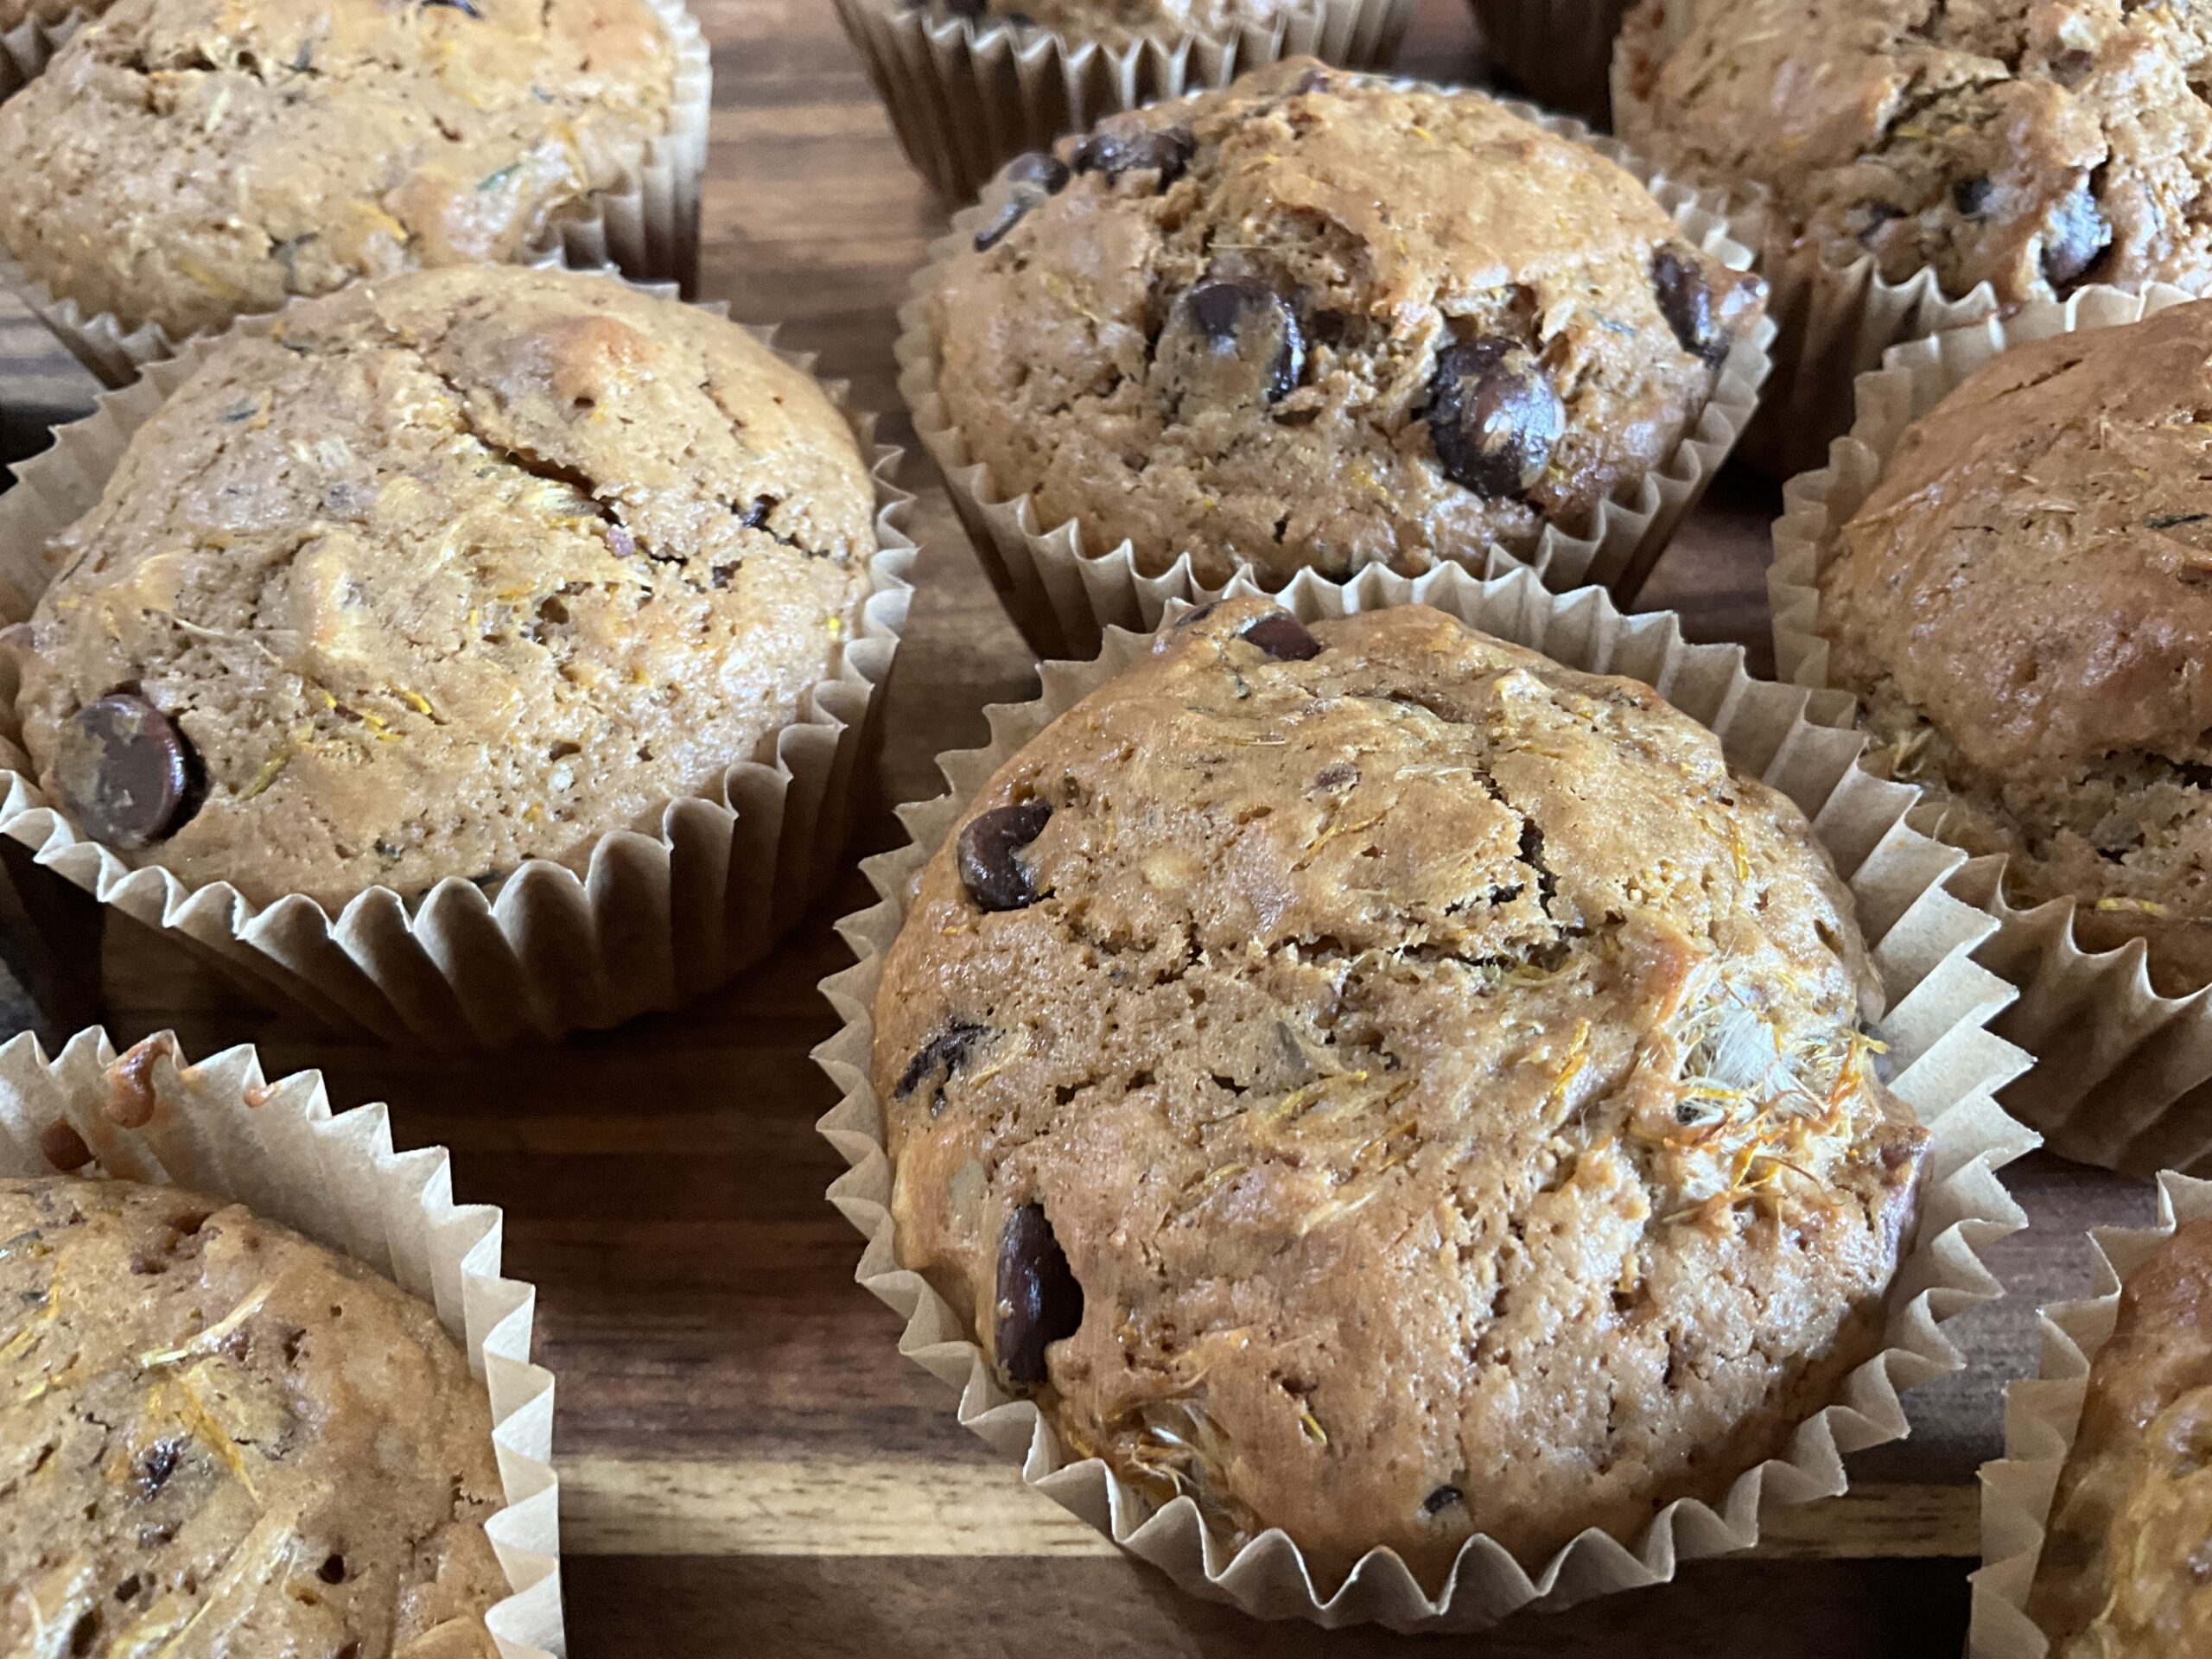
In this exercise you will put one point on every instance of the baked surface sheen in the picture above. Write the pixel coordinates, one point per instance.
(2025, 606)
(1442, 1075)
(2031, 144)
(1393, 225)
(210, 1424)
(457, 569)
(187, 161)
(2126, 1566)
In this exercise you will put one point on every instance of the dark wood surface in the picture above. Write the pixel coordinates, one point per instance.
(747, 1464)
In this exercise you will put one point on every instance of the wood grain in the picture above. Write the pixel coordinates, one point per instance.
(749, 1464)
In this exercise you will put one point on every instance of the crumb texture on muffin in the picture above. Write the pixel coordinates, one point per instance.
(1391, 1087)
(449, 571)
(217, 1436)
(187, 161)
(2034, 146)
(2024, 605)
(1314, 321)
(2126, 1562)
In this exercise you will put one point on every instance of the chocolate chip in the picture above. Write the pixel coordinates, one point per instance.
(1132, 146)
(2077, 234)
(1316, 80)
(1442, 1499)
(1041, 168)
(989, 855)
(155, 1465)
(1971, 196)
(1228, 345)
(2070, 67)
(466, 7)
(1191, 617)
(1284, 636)
(60, 1145)
(1010, 213)
(1878, 213)
(1039, 1301)
(1685, 300)
(939, 1058)
(1335, 775)
(127, 772)
(1493, 416)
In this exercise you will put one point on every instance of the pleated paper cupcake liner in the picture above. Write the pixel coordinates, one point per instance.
(2125, 1075)
(655, 920)
(2041, 1416)
(1062, 594)
(1559, 52)
(25, 49)
(219, 1129)
(1947, 1065)
(967, 95)
(647, 226)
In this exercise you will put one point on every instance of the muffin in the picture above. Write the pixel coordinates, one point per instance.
(191, 160)
(1111, 20)
(1385, 1085)
(15, 13)
(2021, 606)
(439, 574)
(2033, 147)
(214, 1425)
(2124, 1562)
(1318, 322)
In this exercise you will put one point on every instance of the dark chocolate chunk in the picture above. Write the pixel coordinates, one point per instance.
(1685, 300)
(1041, 168)
(1442, 1499)
(1039, 1301)
(1228, 345)
(1971, 196)
(989, 855)
(154, 1466)
(1196, 614)
(940, 1056)
(2078, 234)
(1129, 146)
(1284, 636)
(127, 772)
(1493, 416)
(1010, 213)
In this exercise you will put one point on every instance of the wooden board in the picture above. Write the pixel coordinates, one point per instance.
(747, 1464)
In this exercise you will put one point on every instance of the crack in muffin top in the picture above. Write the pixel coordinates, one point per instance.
(2036, 145)
(447, 572)
(1389, 1086)
(186, 161)
(1315, 321)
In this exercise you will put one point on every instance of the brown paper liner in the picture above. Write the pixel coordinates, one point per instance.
(1062, 596)
(1559, 52)
(647, 226)
(966, 96)
(1948, 1067)
(2125, 1071)
(2041, 1416)
(26, 49)
(658, 918)
(219, 1129)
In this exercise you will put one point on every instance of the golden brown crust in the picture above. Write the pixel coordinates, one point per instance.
(208, 1423)
(2025, 604)
(1393, 225)
(458, 570)
(188, 162)
(1442, 1075)
(2126, 1564)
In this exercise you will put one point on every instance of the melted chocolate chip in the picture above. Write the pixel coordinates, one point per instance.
(1041, 168)
(1191, 617)
(1493, 416)
(1685, 300)
(939, 1058)
(127, 772)
(1971, 196)
(1284, 636)
(2078, 234)
(989, 855)
(1131, 147)
(1039, 1301)
(154, 1466)
(1442, 1499)
(1316, 80)
(1228, 345)
(1010, 213)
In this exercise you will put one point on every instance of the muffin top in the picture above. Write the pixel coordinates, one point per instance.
(2032, 144)
(209, 1423)
(1313, 322)
(446, 572)
(2122, 1567)
(188, 162)
(1392, 1087)
(2024, 605)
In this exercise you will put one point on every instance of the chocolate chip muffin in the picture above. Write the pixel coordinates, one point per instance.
(444, 573)
(193, 160)
(1313, 322)
(2032, 146)
(2125, 1563)
(1386, 1085)
(210, 1425)
(1118, 19)
(2022, 605)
